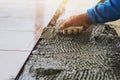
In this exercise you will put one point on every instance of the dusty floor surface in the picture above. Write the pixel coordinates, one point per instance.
(91, 55)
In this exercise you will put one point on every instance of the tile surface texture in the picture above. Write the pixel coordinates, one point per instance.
(10, 63)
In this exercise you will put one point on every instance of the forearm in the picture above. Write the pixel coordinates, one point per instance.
(108, 11)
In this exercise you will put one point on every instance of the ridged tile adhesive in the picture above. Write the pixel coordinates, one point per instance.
(91, 55)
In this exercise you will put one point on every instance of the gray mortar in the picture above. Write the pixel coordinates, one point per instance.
(91, 55)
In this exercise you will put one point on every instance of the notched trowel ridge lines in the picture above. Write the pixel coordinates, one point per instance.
(91, 55)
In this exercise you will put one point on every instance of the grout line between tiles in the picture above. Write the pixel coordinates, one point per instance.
(16, 50)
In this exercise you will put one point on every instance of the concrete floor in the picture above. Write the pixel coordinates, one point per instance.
(117, 24)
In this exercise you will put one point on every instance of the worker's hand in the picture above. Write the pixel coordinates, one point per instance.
(77, 20)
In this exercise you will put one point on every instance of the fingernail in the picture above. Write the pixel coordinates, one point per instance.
(64, 31)
(69, 31)
(75, 31)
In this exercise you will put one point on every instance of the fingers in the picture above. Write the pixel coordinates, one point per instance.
(73, 30)
(76, 31)
(73, 21)
(68, 31)
(77, 20)
(65, 32)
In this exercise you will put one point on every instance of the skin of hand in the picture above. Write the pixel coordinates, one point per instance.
(76, 20)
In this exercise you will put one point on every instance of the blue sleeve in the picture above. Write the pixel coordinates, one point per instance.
(104, 12)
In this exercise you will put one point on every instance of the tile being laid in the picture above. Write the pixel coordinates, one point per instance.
(11, 63)
(17, 8)
(17, 40)
(17, 12)
(18, 24)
